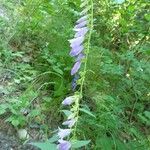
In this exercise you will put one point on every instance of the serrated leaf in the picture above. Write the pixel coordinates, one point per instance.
(78, 144)
(45, 146)
(87, 112)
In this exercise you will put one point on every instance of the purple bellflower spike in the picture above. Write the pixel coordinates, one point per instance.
(81, 32)
(76, 50)
(63, 133)
(77, 47)
(75, 68)
(70, 123)
(76, 41)
(64, 145)
(82, 19)
(80, 25)
(68, 101)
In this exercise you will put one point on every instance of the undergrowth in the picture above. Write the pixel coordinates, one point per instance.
(34, 50)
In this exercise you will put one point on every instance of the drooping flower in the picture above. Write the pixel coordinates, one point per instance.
(82, 19)
(76, 41)
(64, 145)
(75, 68)
(82, 24)
(70, 123)
(76, 50)
(81, 31)
(68, 101)
(62, 133)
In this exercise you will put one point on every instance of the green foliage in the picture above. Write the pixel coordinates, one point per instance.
(45, 146)
(79, 144)
(33, 46)
(119, 66)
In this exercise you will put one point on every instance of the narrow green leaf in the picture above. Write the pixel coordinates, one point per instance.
(45, 146)
(67, 112)
(87, 112)
(58, 70)
(78, 144)
(54, 138)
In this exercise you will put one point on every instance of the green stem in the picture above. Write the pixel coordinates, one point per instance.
(85, 68)
(88, 49)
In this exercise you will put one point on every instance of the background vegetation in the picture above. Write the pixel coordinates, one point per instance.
(35, 63)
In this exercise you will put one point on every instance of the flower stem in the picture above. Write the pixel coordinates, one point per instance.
(88, 49)
(85, 67)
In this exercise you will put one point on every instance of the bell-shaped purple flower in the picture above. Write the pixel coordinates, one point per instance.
(82, 19)
(64, 145)
(70, 123)
(76, 41)
(68, 101)
(75, 68)
(81, 32)
(62, 133)
(80, 25)
(76, 50)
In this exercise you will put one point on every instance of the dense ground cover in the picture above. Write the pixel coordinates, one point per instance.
(35, 70)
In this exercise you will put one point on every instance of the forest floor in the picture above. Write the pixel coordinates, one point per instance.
(8, 135)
